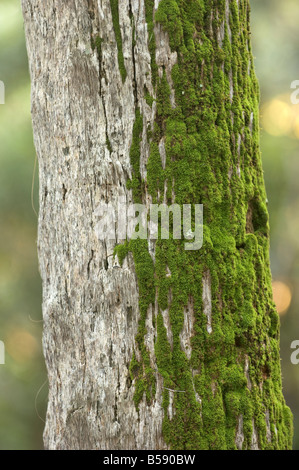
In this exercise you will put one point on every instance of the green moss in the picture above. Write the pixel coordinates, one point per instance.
(169, 15)
(121, 251)
(115, 18)
(155, 178)
(213, 158)
(108, 144)
(148, 98)
(136, 183)
(149, 16)
(162, 349)
(96, 44)
(142, 371)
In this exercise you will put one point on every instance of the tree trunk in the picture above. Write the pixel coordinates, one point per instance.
(147, 345)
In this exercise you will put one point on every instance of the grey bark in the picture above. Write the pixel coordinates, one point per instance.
(90, 309)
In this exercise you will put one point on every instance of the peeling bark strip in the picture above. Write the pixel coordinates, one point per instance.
(155, 102)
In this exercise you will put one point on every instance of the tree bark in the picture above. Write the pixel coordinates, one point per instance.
(149, 346)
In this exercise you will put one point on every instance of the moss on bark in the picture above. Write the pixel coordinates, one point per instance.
(115, 18)
(231, 384)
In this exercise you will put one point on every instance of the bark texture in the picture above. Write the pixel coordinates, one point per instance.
(149, 346)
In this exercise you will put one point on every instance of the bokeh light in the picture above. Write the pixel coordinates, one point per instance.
(275, 37)
(21, 345)
(279, 117)
(282, 296)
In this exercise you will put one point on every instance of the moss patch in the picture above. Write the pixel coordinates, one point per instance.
(115, 18)
(212, 157)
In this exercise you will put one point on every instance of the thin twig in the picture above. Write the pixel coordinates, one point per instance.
(32, 186)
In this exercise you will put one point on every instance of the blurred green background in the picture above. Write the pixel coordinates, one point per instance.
(20, 286)
(23, 384)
